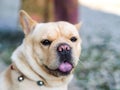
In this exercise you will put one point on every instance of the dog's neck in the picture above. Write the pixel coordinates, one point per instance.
(32, 71)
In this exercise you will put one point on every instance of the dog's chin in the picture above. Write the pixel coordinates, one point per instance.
(64, 69)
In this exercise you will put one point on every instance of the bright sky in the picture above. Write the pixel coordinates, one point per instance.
(110, 6)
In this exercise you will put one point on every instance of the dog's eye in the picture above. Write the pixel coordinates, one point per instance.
(73, 39)
(46, 42)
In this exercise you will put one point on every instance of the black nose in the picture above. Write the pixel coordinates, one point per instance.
(64, 49)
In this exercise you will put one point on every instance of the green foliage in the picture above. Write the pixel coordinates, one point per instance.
(8, 42)
(99, 65)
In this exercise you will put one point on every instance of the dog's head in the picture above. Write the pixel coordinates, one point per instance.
(55, 46)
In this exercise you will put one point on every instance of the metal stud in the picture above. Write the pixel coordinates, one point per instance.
(12, 67)
(40, 83)
(20, 78)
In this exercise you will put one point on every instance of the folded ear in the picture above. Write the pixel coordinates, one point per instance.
(78, 25)
(26, 22)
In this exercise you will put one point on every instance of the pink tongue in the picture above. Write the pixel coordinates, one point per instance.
(65, 67)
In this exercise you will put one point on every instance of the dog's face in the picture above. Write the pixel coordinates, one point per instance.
(56, 46)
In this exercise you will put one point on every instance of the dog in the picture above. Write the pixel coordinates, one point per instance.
(47, 57)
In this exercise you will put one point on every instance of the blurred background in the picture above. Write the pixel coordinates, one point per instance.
(99, 65)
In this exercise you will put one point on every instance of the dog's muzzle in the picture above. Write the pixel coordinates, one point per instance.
(64, 53)
(66, 63)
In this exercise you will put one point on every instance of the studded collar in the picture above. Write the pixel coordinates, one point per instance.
(22, 77)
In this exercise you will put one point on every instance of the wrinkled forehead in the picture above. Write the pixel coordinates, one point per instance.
(54, 30)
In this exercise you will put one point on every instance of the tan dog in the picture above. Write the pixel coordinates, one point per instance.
(46, 59)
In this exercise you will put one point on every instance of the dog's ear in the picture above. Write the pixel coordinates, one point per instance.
(26, 22)
(78, 25)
